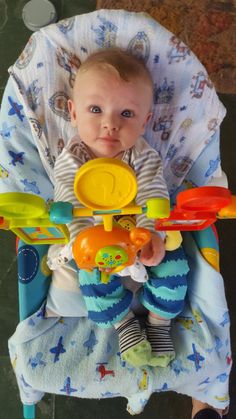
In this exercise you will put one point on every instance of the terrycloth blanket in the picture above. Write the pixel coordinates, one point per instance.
(34, 126)
(84, 360)
(186, 110)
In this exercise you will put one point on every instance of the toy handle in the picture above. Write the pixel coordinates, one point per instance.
(173, 240)
(105, 276)
(157, 208)
(140, 236)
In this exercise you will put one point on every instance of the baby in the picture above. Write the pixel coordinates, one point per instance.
(110, 107)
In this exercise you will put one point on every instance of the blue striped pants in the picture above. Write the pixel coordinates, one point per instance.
(163, 293)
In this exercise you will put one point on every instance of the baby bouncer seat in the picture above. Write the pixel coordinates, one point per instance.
(55, 348)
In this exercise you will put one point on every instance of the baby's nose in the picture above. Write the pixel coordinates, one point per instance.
(111, 123)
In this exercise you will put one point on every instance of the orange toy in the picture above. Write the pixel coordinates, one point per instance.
(107, 187)
(95, 247)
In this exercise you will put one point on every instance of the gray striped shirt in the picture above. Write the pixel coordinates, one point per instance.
(143, 159)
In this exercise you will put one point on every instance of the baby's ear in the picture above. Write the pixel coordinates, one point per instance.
(72, 111)
(147, 119)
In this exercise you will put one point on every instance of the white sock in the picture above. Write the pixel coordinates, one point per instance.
(158, 321)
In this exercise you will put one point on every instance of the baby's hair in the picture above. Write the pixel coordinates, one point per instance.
(121, 62)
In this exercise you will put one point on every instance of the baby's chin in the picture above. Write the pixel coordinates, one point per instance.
(116, 156)
(110, 154)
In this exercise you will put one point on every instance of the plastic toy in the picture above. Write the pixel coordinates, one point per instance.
(106, 188)
(198, 208)
(27, 216)
(95, 247)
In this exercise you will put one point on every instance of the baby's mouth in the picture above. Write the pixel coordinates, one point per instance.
(107, 138)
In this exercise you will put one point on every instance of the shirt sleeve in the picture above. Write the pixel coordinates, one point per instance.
(147, 165)
(65, 170)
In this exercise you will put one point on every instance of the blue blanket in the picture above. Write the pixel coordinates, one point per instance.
(84, 360)
(34, 126)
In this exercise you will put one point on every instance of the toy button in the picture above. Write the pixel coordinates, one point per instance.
(111, 256)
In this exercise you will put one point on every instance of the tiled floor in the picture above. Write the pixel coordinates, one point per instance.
(13, 36)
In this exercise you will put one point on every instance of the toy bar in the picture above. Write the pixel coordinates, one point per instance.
(107, 187)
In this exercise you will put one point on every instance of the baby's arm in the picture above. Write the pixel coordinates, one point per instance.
(64, 173)
(151, 184)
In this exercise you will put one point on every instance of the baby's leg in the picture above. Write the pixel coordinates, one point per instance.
(109, 305)
(163, 295)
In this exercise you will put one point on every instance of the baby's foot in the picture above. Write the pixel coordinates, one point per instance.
(138, 355)
(134, 348)
(161, 343)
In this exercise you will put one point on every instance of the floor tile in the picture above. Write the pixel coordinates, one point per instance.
(160, 406)
(8, 323)
(1, 93)
(45, 408)
(228, 145)
(227, 228)
(10, 404)
(13, 35)
(75, 7)
(8, 289)
(9, 395)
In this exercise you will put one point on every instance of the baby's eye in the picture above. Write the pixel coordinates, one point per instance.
(95, 109)
(127, 113)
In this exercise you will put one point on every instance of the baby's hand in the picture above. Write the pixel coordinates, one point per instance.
(153, 252)
(105, 269)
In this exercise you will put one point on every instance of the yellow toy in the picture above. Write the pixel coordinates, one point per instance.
(107, 187)
(28, 217)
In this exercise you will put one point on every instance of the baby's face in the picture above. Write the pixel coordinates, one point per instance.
(109, 113)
